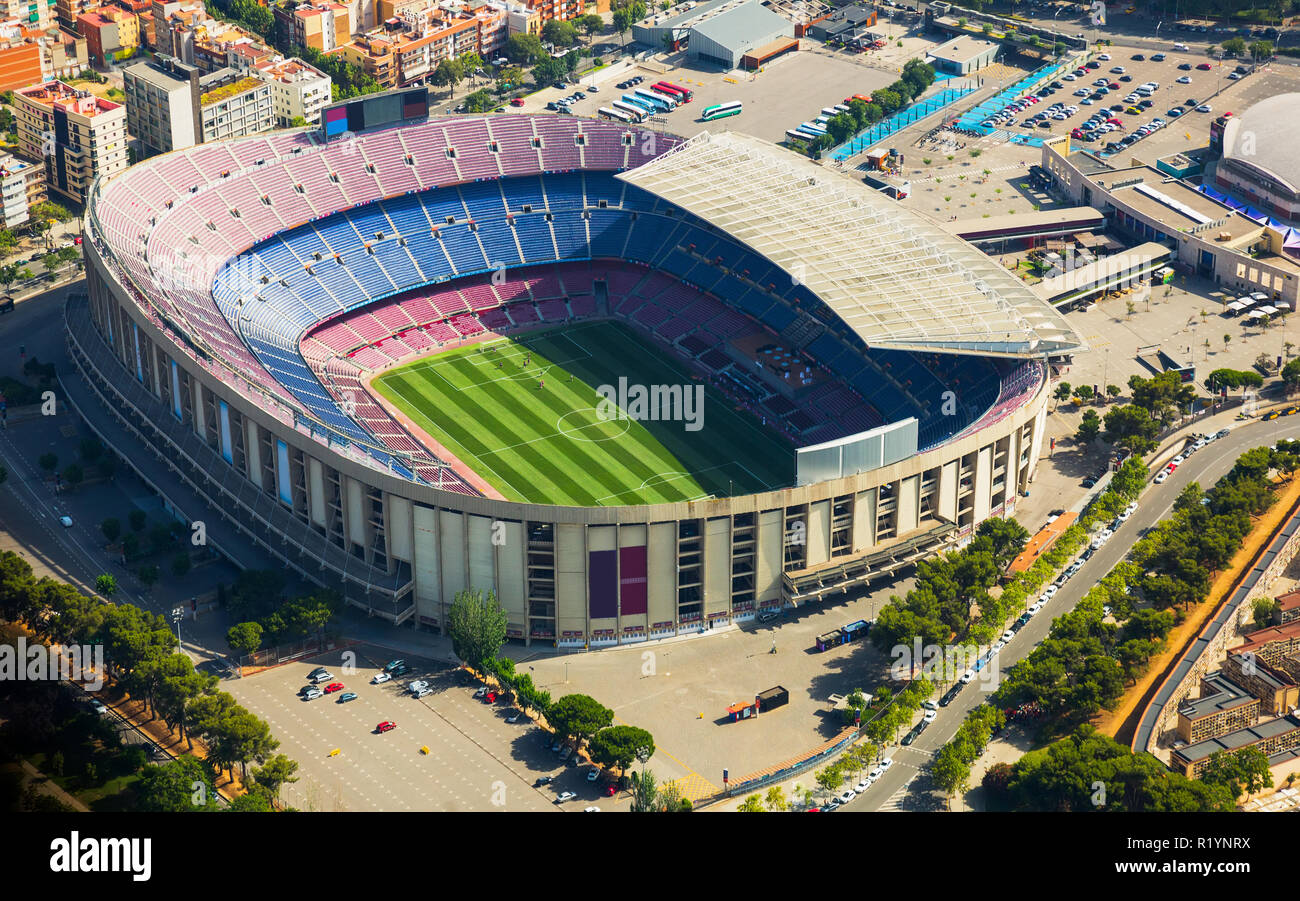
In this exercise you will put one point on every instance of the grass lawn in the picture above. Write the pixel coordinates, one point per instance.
(523, 414)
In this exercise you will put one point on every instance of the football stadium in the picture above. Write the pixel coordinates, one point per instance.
(639, 385)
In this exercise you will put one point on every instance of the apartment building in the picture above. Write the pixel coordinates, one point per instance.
(67, 11)
(297, 89)
(36, 15)
(234, 105)
(322, 26)
(429, 40)
(162, 104)
(77, 135)
(373, 54)
(21, 185)
(108, 31)
(172, 104)
(20, 64)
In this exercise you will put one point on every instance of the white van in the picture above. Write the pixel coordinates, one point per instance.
(1182, 47)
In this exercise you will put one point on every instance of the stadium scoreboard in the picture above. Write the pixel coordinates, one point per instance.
(375, 111)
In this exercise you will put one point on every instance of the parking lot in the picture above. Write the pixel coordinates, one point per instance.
(680, 690)
(788, 91)
(449, 751)
(1105, 107)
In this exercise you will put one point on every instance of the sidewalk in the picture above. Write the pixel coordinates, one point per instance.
(48, 786)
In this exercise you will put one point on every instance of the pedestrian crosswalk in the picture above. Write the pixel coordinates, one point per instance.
(895, 801)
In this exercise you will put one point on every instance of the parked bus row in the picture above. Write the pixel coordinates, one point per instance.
(814, 129)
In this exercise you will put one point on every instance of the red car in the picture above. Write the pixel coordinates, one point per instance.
(1204, 67)
(386, 726)
(333, 687)
(490, 697)
(517, 101)
(610, 790)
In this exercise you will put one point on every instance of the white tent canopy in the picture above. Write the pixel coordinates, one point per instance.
(895, 277)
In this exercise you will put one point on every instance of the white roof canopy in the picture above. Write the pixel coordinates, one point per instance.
(896, 278)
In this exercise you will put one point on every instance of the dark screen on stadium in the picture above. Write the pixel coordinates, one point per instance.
(375, 111)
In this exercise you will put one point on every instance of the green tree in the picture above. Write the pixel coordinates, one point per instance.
(1234, 46)
(181, 564)
(48, 461)
(617, 746)
(277, 772)
(645, 792)
(1263, 610)
(479, 102)
(560, 33)
(1132, 427)
(753, 803)
(1063, 392)
(524, 49)
(1089, 427)
(148, 575)
(776, 801)
(579, 717)
(137, 520)
(178, 786)
(448, 74)
(13, 272)
(477, 627)
(1244, 771)
(244, 638)
(106, 584)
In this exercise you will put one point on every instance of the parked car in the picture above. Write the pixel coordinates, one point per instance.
(322, 676)
(393, 664)
(417, 685)
(563, 797)
(929, 717)
(312, 694)
(347, 696)
(381, 678)
(333, 687)
(542, 780)
(386, 726)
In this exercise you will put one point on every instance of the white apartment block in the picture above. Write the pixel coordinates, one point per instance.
(297, 89)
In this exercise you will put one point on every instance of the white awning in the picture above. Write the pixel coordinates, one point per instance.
(893, 276)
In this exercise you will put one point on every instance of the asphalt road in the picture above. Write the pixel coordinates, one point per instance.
(1206, 466)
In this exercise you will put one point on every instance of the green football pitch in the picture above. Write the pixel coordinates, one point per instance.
(523, 413)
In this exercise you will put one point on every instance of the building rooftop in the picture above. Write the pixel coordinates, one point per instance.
(288, 71)
(743, 26)
(1288, 601)
(894, 277)
(1265, 136)
(1261, 637)
(226, 91)
(1224, 695)
(57, 95)
(1241, 738)
(963, 48)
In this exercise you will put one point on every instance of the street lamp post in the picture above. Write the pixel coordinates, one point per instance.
(178, 614)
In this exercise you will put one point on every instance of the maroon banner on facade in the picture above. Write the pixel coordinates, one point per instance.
(632, 580)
